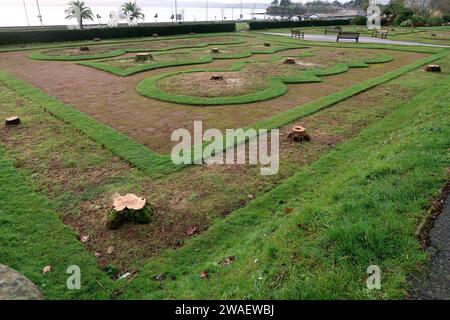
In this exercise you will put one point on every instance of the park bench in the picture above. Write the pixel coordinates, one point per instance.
(332, 30)
(379, 33)
(348, 35)
(296, 33)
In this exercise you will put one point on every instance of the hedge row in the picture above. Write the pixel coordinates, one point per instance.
(19, 37)
(260, 25)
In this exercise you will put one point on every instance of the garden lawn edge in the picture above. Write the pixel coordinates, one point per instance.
(33, 237)
(363, 200)
(276, 86)
(136, 154)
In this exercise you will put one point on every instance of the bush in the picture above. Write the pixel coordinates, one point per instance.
(359, 20)
(61, 35)
(405, 14)
(434, 21)
(261, 25)
(407, 23)
(418, 21)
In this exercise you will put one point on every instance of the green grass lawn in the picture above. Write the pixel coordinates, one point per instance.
(309, 235)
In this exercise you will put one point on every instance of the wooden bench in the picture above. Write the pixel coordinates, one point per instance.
(348, 35)
(296, 33)
(379, 33)
(332, 30)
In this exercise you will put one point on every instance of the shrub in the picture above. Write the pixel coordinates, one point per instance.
(435, 21)
(261, 25)
(407, 23)
(405, 14)
(418, 21)
(359, 20)
(61, 35)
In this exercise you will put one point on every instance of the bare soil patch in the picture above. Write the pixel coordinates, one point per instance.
(105, 96)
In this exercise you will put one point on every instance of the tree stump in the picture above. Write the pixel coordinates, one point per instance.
(215, 50)
(97, 39)
(192, 33)
(299, 134)
(433, 68)
(128, 208)
(143, 57)
(289, 61)
(84, 49)
(155, 35)
(12, 121)
(216, 77)
(266, 44)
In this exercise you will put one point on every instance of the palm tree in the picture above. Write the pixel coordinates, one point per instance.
(78, 10)
(133, 11)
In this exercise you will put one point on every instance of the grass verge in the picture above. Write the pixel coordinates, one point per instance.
(276, 85)
(119, 144)
(28, 226)
(315, 235)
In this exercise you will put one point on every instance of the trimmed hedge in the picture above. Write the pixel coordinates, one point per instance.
(261, 25)
(276, 85)
(18, 37)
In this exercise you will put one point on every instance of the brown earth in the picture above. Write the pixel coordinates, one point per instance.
(105, 96)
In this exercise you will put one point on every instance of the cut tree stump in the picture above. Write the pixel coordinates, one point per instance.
(143, 57)
(299, 134)
(84, 49)
(128, 208)
(217, 77)
(155, 35)
(215, 50)
(289, 61)
(433, 68)
(12, 121)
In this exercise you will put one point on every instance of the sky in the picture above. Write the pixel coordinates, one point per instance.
(140, 2)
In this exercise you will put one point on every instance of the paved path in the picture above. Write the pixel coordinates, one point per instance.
(436, 281)
(332, 38)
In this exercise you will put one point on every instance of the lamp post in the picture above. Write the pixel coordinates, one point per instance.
(176, 11)
(26, 12)
(39, 10)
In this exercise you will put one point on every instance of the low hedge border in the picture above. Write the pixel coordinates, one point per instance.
(275, 85)
(154, 164)
(136, 154)
(307, 109)
(17, 37)
(110, 54)
(100, 65)
(118, 52)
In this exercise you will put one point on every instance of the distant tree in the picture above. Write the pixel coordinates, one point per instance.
(133, 11)
(285, 3)
(78, 10)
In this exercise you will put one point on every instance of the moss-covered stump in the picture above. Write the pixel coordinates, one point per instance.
(129, 208)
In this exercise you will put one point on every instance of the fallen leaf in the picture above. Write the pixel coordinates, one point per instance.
(47, 269)
(250, 196)
(84, 239)
(110, 250)
(228, 261)
(204, 274)
(160, 277)
(97, 254)
(288, 210)
(191, 230)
